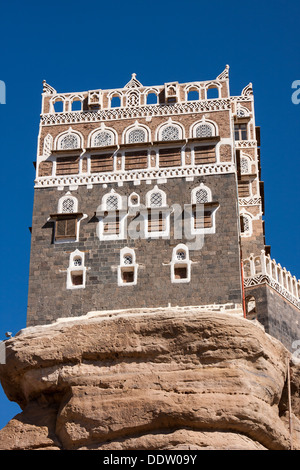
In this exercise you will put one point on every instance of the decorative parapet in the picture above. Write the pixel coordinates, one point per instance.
(135, 175)
(262, 269)
(135, 112)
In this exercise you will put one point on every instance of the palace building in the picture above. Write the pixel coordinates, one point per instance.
(151, 196)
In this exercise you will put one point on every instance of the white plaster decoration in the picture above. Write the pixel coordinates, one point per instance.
(111, 212)
(225, 74)
(128, 268)
(213, 84)
(170, 133)
(245, 143)
(135, 175)
(133, 99)
(245, 165)
(76, 272)
(48, 145)
(133, 200)
(242, 111)
(204, 128)
(189, 107)
(47, 89)
(180, 264)
(262, 269)
(247, 91)
(133, 82)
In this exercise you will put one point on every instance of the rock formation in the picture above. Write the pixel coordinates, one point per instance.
(150, 379)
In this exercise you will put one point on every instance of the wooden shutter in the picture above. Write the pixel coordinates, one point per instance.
(66, 227)
(102, 163)
(67, 165)
(156, 221)
(244, 189)
(136, 160)
(111, 225)
(170, 157)
(205, 154)
(202, 219)
(128, 275)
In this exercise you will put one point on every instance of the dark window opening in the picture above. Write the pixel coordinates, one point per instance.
(240, 131)
(212, 93)
(180, 272)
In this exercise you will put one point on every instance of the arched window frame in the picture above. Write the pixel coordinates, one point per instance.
(125, 267)
(213, 126)
(114, 216)
(112, 95)
(130, 200)
(156, 215)
(169, 123)
(204, 210)
(213, 85)
(75, 270)
(198, 188)
(72, 100)
(61, 203)
(180, 264)
(249, 218)
(93, 135)
(70, 132)
(192, 87)
(136, 126)
(151, 91)
(56, 99)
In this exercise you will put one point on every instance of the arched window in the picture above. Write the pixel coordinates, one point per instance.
(180, 264)
(158, 215)
(58, 106)
(67, 204)
(69, 141)
(127, 269)
(112, 202)
(204, 130)
(76, 272)
(201, 196)
(212, 93)
(76, 105)
(246, 225)
(67, 219)
(136, 135)
(102, 139)
(170, 133)
(115, 101)
(133, 200)
(193, 95)
(152, 98)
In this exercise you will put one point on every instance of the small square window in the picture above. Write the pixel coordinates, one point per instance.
(127, 276)
(240, 132)
(77, 278)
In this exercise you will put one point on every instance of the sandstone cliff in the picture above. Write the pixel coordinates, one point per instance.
(152, 379)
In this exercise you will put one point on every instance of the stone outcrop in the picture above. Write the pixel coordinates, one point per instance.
(150, 379)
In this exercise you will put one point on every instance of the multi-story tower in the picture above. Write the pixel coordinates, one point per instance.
(145, 196)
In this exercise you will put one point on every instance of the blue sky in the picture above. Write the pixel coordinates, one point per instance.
(78, 46)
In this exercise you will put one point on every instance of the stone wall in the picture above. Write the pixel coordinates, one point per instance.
(279, 317)
(215, 269)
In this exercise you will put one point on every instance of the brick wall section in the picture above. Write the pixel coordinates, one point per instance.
(215, 272)
(280, 318)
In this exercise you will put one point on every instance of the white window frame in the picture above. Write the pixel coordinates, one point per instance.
(101, 215)
(177, 263)
(249, 232)
(164, 209)
(123, 267)
(76, 269)
(203, 230)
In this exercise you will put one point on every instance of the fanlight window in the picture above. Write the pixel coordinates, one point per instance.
(68, 205)
(70, 141)
(102, 139)
(204, 130)
(170, 133)
(112, 203)
(136, 135)
(156, 200)
(127, 259)
(245, 224)
(201, 196)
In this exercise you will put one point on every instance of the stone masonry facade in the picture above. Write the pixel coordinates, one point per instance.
(145, 196)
